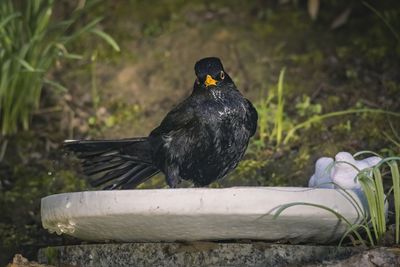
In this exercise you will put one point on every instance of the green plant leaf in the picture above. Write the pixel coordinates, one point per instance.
(56, 85)
(26, 65)
(10, 17)
(106, 38)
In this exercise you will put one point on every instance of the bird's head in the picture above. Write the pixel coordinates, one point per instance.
(210, 72)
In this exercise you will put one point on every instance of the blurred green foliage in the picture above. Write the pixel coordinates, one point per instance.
(31, 42)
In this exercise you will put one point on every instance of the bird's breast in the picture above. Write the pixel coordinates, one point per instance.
(224, 111)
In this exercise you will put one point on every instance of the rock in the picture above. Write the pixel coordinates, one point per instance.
(20, 261)
(378, 257)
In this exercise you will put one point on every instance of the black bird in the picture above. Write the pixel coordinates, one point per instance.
(201, 139)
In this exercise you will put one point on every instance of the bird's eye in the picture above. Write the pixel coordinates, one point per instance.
(222, 75)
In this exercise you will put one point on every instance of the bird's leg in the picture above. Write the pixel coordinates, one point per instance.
(199, 185)
(173, 178)
(173, 181)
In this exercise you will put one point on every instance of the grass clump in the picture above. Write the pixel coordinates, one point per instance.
(271, 115)
(31, 42)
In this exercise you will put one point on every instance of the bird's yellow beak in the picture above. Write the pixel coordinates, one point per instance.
(209, 81)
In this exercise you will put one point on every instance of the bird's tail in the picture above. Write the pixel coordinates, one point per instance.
(114, 164)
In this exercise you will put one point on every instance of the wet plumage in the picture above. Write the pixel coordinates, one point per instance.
(201, 139)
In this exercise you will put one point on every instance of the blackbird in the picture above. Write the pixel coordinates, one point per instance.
(201, 140)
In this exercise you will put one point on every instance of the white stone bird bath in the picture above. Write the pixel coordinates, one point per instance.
(199, 214)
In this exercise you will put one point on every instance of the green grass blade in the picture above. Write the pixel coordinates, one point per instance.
(279, 113)
(391, 139)
(360, 210)
(56, 85)
(394, 169)
(366, 152)
(106, 38)
(286, 206)
(367, 185)
(352, 229)
(387, 161)
(380, 200)
(263, 111)
(43, 20)
(338, 215)
(394, 32)
(7, 19)
(82, 30)
(25, 64)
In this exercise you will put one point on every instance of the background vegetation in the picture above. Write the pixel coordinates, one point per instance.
(325, 78)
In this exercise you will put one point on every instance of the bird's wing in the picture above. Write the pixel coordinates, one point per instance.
(168, 139)
(252, 118)
(182, 116)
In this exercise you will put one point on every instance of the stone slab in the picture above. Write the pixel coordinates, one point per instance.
(199, 214)
(191, 254)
